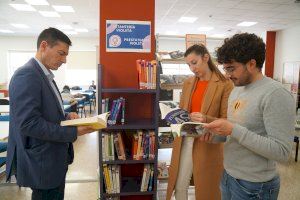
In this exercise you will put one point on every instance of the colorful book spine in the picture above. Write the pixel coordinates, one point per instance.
(123, 111)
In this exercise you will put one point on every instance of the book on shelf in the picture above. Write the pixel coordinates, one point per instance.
(111, 176)
(143, 145)
(163, 171)
(147, 178)
(117, 110)
(146, 71)
(97, 122)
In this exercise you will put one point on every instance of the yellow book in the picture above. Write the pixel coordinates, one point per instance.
(97, 122)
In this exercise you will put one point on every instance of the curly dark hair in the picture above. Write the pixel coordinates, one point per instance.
(242, 48)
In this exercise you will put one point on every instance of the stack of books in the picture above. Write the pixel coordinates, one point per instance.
(143, 147)
(147, 71)
(117, 110)
(147, 179)
(112, 178)
(112, 144)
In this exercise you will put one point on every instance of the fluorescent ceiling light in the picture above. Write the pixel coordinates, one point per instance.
(20, 25)
(37, 2)
(70, 32)
(63, 8)
(64, 27)
(5, 31)
(246, 23)
(171, 32)
(22, 7)
(81, 30)
(49, 14)
(205, 28)
(218, 35)
(187, 19)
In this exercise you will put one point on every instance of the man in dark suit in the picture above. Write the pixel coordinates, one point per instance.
(39, 149)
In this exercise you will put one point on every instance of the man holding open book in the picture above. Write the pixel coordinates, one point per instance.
(260, 122)
(39, 149)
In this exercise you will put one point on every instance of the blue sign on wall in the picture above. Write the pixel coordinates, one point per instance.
(128, 36)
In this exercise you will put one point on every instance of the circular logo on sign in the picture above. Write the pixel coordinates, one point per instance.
(114, 41)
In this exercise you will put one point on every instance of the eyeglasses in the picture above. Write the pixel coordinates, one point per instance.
(229, 70)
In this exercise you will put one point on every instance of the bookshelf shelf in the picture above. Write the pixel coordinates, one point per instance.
(128, 90)
(125, 162)
(165, 146)
(134, 124)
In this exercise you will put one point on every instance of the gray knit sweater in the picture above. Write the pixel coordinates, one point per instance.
(263, 114)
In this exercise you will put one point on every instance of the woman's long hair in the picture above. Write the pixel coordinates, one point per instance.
(200, 49)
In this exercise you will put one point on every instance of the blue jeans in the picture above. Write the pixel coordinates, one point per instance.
(237, 189)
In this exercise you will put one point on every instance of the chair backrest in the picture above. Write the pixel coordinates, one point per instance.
(87, 97)
(4, 117)
(4, 102)
(76, 88)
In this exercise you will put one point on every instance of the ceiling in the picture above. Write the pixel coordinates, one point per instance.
(223, 15)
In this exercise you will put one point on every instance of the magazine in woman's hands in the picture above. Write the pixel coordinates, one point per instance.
(181, 124)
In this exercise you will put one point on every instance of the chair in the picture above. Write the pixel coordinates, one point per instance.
(4, 102)
(3, 148)
(81, 105)
(92, 98)
(4, 117)
(76, 88)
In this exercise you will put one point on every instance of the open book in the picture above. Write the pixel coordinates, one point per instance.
(97, 122)
(188, 129)
(181, 124)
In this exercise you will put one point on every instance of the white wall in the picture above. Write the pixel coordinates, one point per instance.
(29, 44)
(287, 48)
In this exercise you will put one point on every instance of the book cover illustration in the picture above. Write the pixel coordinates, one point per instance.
(181, 124)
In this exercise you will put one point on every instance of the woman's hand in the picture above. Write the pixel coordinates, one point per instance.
(197, 117)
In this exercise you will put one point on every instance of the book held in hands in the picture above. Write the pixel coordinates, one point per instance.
(97, 122)
(181, 124)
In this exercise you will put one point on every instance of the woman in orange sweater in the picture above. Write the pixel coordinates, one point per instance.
(205, 96)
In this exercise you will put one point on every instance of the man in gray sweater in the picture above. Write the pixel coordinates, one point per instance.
(259, 125)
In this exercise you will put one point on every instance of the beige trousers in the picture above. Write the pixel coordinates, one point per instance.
(185, 169)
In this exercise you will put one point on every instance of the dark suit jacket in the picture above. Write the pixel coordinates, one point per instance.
(39, 149)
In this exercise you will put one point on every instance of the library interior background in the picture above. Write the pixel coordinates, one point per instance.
(130, 159)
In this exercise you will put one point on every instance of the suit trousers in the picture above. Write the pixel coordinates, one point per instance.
(57, 193)
(185, 169)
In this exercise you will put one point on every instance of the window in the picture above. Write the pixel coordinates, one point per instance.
(17, 59)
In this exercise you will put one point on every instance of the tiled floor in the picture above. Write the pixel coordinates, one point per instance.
(82, 176)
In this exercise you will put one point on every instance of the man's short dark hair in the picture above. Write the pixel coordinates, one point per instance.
(242, 48)
(52, 36)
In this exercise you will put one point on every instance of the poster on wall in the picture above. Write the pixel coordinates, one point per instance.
(128, 36)
(191, 39)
